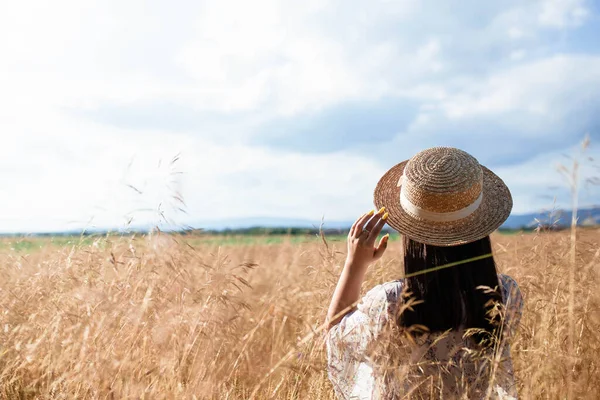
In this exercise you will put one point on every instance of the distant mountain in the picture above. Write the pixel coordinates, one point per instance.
(269, 222)
(558, 218)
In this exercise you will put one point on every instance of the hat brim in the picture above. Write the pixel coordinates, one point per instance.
(490, 215)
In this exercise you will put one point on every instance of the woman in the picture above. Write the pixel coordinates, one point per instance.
(443, 330)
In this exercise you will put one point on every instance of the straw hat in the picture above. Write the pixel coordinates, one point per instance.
(443, 197)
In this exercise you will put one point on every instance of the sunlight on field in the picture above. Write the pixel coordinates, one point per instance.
(31, 244)
(178, 317)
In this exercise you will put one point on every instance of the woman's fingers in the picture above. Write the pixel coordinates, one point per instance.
(353, 227)
(378, 226)
(380, 249)
(357, 227)
(376, 218)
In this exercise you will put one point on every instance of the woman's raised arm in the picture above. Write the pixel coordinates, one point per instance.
(361, 252)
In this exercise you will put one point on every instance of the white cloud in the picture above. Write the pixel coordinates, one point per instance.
(563, 13)
(68, 181)
(518, 55)
(263, 59)
(428, 55)
(515, 33)
(538, 87)
(275, 54)
(213, 55)
(538, 184)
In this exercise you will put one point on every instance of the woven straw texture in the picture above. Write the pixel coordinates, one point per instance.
(442, 180)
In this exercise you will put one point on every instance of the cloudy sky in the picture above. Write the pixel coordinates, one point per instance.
(282, 108)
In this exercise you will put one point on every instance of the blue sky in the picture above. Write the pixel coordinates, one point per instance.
(282, 109)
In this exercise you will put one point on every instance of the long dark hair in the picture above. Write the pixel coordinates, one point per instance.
(450, 296)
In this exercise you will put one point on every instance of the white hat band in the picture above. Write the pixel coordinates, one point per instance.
(433, 216)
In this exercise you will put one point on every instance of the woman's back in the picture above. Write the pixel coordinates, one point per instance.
(368, 360)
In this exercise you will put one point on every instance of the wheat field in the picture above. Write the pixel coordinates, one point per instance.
(155, 317)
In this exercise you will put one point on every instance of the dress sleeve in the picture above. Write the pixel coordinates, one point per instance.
(513, 301)
(348, 341)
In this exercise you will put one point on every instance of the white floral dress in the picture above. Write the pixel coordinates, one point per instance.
(355, 374)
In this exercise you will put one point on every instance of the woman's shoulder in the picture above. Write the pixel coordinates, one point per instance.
(510, 290)
(384, 296)
(389, 291)
(508, 284)
(507, 280)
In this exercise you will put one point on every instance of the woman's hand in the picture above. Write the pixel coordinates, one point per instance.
(361, 239)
